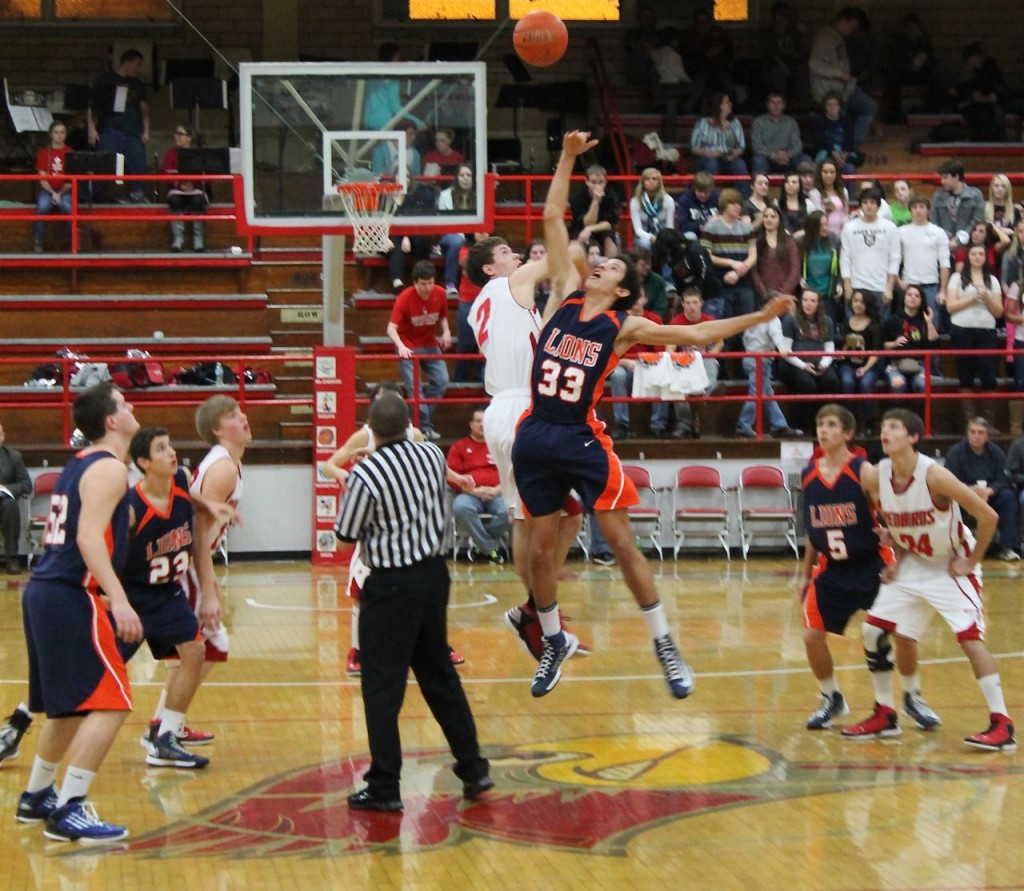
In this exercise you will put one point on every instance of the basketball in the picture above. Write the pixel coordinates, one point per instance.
(540, 38)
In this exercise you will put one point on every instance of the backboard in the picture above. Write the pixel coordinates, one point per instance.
(305, 127)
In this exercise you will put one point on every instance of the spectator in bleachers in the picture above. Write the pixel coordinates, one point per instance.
(819, 264)
(755, 203)
(995, 241)
(1013, 280)
(956, 206)
(884, 208)
(808, 172)
(708, 55)
(53, 194)
(184, 196)
(651, 208)
(697, 205)
(829, 66)
(419, 326)
(778, 258)
(808, 330)
(459, 197)
(975, 302)
(421, 199)
(1000, 210)
(730, 242)
(538, 251)
(1015, 467)
(620, 381)
(860, 333)
(443, 159)
(687, 423)
(764, 338)
(783, 54)
(830, 196)
(869, 256)
(653, 284)
(909, 327)
(671, 82)
(982, 466)
(595, 213)
(717, 141)
(900, 206)
(466, 369)
(775, 139)
(924, 256)
(912, 61)
(832, 135)
(981, 93)
(793, 204)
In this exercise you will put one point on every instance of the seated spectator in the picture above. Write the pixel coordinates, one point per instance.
(419, 326)
(538, 251)
(1000, 210)
(620, 381)
(777, 267)
(184, 196)
(995, 241)
(459, 197)
(1013, 280)
(595, 213)
(755, 203)
(651, 208)
(830, 195)
(982, 466)
(697, 205)
(832, 135)
(764, 338)
(975, 303)
(860, 333)
(443, 158)
(420, 199)
(793, 205)
(981, 93)
(53, 194)
(652, 283)
(730, 242)
(900, 206)
(910, 327)
(1015, 467)
(467, 369)
(717, 141)
(808, 330)
(479, 491)
(775, 139)
(15, 487)
(819, 264)
(912, 61)
(687, 424)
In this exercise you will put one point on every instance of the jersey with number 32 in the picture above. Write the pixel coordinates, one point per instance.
(161, 546)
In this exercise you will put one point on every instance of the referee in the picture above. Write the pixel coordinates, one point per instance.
(396, 507)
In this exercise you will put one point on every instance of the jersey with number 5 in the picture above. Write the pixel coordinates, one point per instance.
(161, 544)
(838, 517)
(506, 334)
(62, 559)
(574, 358)
(916, 524)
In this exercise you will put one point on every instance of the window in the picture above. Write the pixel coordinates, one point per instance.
(88, 11)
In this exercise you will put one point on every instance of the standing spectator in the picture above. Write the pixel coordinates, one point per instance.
(15, 484)
(869, 259)
(829, 65)
(975, 301)
(793, 205)
(900, 207)
(481, 494)
(697, 205)
(860, 333)
(395, 508)
(910, 327)
(651, 208)
(924, 253)
(653, 285)
(819, 264)
(54, 192)
(778, 259)
(730, 242)
(459, 197)
(756, 201)
(775, 139)
(717, 140)
(384, 109)
(184, 196)
(832, 135)
(870, 182)
(595, 213)
(830, 196)
(956, 206)
(620, 381)
(419, 314)
(808, 330)
(995, 241)
(982, 466)
(687, 416)
(118, 119)
(443, 159)
(1000, 210)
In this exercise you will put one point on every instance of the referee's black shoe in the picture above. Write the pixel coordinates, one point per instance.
(365, 800)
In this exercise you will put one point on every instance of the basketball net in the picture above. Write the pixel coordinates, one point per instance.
(370, 208)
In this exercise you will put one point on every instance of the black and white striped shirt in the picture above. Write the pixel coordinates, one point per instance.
(396, 505)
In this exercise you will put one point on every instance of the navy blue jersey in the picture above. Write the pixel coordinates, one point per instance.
(573, 359)
(838, 518)
(161, 546)
(62, 560)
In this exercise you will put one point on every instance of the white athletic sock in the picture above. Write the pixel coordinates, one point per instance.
(829, 685)
(24, 709)
(76, 784)
(174, 721)
(550, 620)
(911, 682)
(657, 624)
(882, 682)
(43, 775)
(159, 710)
(355, 627)
(992, 689)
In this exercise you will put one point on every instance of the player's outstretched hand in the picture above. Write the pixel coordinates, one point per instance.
(779, 306)
(576, 142)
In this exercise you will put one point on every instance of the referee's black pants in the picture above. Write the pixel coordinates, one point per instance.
(403, 624)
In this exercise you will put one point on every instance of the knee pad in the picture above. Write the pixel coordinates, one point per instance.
(877, 648)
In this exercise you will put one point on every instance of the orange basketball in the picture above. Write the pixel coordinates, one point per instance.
(540, 38)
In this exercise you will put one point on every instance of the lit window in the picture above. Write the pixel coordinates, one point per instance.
(732, 10)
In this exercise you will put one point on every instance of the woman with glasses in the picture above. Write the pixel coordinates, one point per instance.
(184, 196)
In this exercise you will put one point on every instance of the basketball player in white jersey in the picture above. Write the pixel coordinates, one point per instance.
(937, 568)
(221, 422)
(506, 325)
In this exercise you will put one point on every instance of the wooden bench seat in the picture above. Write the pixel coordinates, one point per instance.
(971, 149)
(130, 302)
(105, 349)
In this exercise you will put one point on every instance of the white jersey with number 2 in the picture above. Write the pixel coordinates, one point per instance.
(507, 335)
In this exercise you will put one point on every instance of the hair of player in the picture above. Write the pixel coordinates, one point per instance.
(631, 282)
(388, 416)
(423, 270)
(209, 414)
(841, 413)
(478, 256)
(912, 422)
(92, 408)
(142, 443)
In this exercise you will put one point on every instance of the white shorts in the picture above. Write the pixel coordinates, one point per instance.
(920, 589)
(500, 419)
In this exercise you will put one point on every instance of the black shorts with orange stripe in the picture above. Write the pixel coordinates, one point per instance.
(166, 622)
(838, 589)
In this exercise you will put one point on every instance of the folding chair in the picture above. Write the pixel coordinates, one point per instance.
(698, 507)
(647, 514)
(39, 511)
(766, 503)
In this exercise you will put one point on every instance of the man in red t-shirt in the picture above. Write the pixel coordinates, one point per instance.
(419, 313)
(687, 419)
(54, 195)
(620, 381)
(470, 457)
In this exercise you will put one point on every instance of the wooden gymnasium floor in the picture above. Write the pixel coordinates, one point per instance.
(606, 783)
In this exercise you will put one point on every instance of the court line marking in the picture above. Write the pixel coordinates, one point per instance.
(486, 600)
